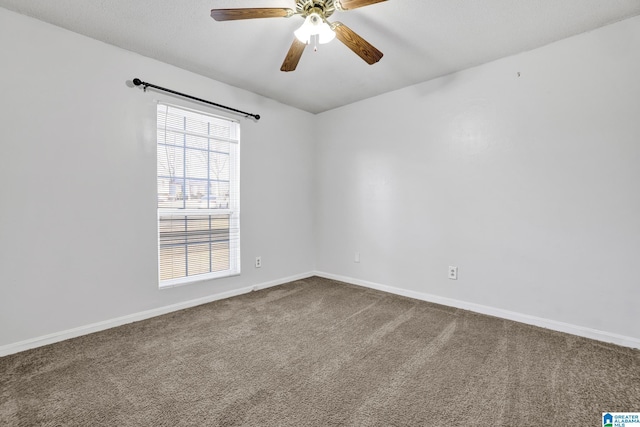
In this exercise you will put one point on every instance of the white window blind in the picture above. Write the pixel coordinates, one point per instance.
(198, 196)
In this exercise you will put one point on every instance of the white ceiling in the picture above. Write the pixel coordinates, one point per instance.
(420, 39)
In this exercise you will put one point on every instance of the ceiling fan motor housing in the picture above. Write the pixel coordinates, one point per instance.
(324, 8)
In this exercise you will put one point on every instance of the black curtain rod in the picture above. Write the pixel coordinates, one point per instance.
(145, 85)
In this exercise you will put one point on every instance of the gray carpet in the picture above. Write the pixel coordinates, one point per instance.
(320, 353)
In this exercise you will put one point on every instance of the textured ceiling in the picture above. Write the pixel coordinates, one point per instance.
(420, 39)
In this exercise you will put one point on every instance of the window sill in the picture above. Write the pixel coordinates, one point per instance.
(173, 283)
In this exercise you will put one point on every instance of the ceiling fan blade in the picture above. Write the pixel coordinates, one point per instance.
(293, 56)
(354, 4)
(250, 13)
(360, 46)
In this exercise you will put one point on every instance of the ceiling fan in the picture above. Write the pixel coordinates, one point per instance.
(315, 27)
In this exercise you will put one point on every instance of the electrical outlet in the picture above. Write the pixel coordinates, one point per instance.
(453, 272)
(258, 262)
(356, 257)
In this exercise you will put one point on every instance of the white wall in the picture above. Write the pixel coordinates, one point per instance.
(529, 184)
(77, 182)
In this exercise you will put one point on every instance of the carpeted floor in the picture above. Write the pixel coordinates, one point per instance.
(320, 353)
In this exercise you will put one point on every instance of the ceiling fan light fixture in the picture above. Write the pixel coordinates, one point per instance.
(325, 33)
(315, 25)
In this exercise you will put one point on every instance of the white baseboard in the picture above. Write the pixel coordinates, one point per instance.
(478, 308)
(496, 312)
(135, 317)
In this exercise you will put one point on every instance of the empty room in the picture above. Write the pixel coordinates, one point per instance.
(320, 213)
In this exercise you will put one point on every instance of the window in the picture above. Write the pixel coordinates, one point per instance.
(198, 196)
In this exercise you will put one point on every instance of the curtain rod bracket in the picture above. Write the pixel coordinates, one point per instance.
(145, 85)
